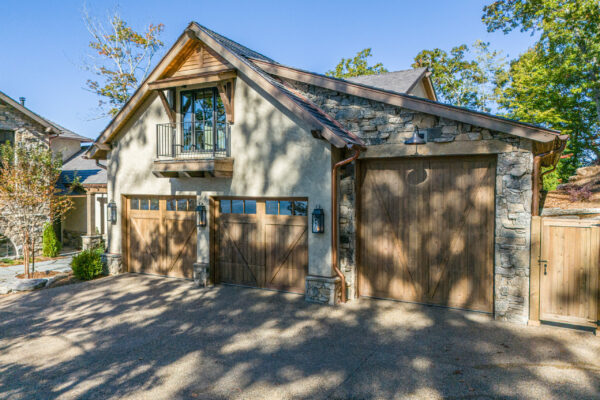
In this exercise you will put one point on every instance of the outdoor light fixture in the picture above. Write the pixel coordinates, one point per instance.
(416, 138)
(201, 212)
(111, 214)
(318, 220)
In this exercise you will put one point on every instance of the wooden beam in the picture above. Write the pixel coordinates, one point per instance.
(455, 148)
(410, 102)
(226, 94)
(170, 112)
(204, 77)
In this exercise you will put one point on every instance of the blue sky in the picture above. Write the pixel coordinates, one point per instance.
(43, 43)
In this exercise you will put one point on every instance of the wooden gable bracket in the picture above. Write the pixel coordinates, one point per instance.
(227, 94)
(170, 111)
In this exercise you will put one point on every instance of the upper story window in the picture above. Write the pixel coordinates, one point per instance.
(203, 120)
(7, 136)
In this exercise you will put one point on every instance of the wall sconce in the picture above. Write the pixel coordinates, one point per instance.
(416, 138)
(318, 220)
(201, 213)
(111, 212)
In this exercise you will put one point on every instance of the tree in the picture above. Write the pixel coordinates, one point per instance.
(28, 194)
(464, 80)
(357, 66)
(122, 59)
(557, 82)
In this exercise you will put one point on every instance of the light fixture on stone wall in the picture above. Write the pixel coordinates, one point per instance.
(318, 220)
(111, 214)
(416, 138)
(201, 213)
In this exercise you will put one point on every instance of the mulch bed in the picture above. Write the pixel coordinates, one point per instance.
(38, 275)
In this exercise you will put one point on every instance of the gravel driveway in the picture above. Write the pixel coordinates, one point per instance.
(135, 336)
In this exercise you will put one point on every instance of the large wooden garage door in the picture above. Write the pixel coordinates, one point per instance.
(161, 235)
(262, 243)
(426, 230)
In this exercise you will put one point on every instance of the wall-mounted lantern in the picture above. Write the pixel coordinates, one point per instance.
(111, 214)
(416, 138)
(318, 220)
(201, 213)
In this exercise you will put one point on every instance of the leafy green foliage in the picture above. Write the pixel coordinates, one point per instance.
(50, 243)
(557, 82)
(122, 59)
(357, 66)
(465, 77)
(87, 264)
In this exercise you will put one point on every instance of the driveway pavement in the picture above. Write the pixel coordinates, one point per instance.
(135, 336)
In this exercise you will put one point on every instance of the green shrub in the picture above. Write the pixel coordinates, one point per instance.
(87, 264)
(50, 244)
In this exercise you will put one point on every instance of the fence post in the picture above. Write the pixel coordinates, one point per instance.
(534, 273)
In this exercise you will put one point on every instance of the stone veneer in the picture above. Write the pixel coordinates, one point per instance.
(378, 123)
(26, 131)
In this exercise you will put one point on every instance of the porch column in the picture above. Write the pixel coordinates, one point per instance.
(91, 214)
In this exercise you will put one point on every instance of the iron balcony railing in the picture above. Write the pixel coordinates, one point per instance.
(192, 140)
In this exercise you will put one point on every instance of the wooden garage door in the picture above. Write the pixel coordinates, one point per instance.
(426, 230)
(262, 243)
(161, 235)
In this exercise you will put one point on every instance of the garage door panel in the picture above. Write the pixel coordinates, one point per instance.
(161, 239)
(263, 250)
(432, 222)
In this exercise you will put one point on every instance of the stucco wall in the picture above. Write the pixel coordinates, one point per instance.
(274, 155)
(380, 124)
(66, 147)
(75, 219)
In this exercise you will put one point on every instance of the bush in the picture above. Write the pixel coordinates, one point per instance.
(50, 244)
(87, 264)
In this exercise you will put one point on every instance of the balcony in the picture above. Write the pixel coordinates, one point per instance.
(192, 150)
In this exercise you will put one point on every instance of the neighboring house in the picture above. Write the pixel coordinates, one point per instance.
(18, 124)
(263, 146)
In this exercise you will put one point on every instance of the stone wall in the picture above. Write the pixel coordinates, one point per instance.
(26, 131)
(378, 123)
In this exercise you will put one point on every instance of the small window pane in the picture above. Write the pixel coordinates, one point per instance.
(144, 204)
(225, 206)
(182, 204)
(285, 208)
(154, 204)
(171, 205)
(301, 208)
(135, 204)
(271, 207)
(237, 206)
(191, 204)
(250, 207)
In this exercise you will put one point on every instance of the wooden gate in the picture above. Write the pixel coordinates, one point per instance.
(262, 243)
(161, 235)
(564, 271)
(426, 230)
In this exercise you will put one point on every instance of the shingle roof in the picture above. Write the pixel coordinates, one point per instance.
(88, 172)
(396, 81)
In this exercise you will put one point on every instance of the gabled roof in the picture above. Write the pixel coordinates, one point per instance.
(51, 127)
(396, 81)
(389, 88)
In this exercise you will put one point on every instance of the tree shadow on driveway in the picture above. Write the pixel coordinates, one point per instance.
(136, 336)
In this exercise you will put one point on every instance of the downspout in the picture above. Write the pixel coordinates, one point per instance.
(334, 218)
(537, 163)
